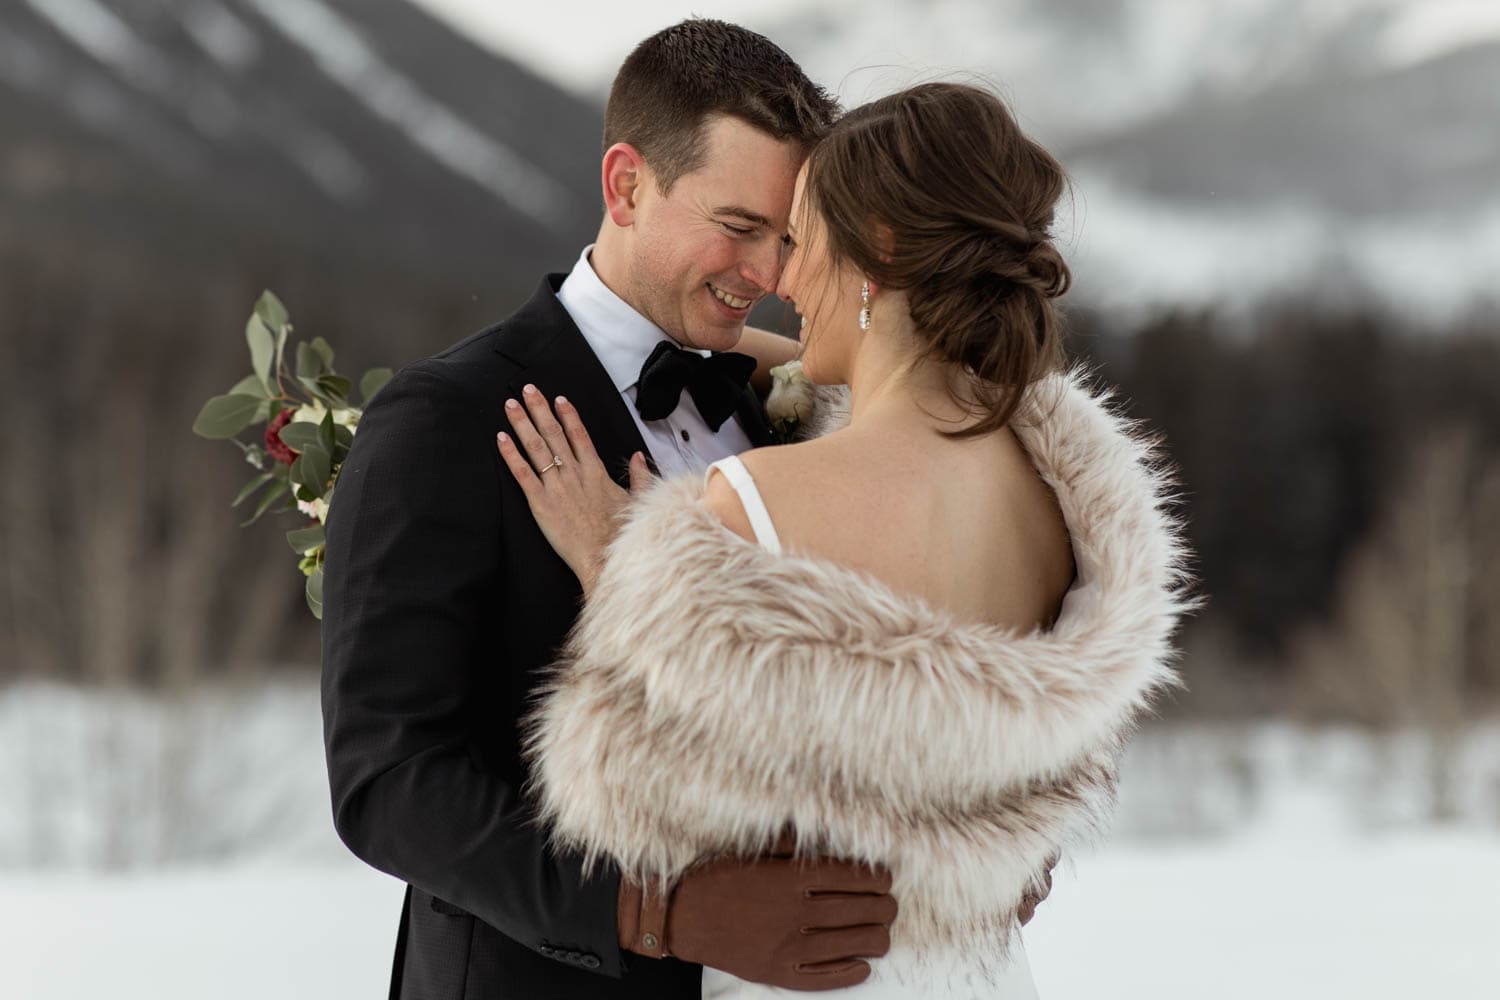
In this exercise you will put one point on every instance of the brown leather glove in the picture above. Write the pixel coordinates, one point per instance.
(1035, 897)
(799, 924)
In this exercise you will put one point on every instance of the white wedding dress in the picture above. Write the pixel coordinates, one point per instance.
(900, 974)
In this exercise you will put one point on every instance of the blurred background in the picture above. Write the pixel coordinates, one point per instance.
(1285, 233)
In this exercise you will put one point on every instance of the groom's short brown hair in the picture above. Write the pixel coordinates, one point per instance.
(679, 77)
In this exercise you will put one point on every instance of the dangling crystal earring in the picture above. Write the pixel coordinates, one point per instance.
(864, 309)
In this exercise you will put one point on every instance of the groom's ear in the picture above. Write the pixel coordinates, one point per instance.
(624, 173)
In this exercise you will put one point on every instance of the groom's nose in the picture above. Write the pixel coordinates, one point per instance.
(761, 264)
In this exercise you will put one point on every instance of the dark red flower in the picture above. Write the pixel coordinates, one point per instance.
(275, 447)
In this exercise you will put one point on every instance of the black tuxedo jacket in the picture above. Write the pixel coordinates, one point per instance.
(442, 601)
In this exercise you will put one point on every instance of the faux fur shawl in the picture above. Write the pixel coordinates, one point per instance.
(712, 693)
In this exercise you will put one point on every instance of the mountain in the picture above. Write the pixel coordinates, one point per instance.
(1228, 151)
(364, 132)
(1224, 151)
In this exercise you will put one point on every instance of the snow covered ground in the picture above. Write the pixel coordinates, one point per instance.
(184, 849)
(1384, 919)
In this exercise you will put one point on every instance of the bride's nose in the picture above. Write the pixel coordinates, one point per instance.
(783, 287)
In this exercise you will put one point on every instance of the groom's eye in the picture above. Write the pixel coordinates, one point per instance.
(737, 230)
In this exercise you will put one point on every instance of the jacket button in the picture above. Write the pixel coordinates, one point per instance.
(591, 961)
(649, 941)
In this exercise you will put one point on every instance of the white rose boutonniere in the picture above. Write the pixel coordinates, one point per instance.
(790, 401)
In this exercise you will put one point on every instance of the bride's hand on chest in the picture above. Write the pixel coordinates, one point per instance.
(571, 494)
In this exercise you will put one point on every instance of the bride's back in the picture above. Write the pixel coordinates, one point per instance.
(966, 525)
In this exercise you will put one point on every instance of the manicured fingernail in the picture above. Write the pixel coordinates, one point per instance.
(511, 404)
(502, 436)
(530, 390)
(562, 400)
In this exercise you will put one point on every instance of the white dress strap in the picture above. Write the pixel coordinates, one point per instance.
(755, 508)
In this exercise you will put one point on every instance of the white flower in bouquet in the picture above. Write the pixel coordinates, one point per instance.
(315, 509)
(313, 413)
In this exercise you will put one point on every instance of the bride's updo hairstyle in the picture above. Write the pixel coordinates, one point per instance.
(934, 191)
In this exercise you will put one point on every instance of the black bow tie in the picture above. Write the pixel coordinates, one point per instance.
(716, 383)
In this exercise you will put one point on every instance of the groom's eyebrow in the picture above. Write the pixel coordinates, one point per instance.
(744, 213)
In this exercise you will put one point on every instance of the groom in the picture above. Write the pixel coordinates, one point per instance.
(443, 602)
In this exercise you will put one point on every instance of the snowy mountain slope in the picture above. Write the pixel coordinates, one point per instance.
(366, 128)
(1418, 139)
(1348, 149)
(1078, 68)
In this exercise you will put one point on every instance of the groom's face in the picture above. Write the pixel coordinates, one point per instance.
(707, 251)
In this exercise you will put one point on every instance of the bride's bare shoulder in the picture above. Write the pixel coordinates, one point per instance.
(804, 486)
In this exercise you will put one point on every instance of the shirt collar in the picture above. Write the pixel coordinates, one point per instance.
(619, 336)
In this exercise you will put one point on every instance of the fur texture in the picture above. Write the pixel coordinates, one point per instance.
(712, 694)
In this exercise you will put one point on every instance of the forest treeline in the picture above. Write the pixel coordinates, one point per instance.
(1340, 473)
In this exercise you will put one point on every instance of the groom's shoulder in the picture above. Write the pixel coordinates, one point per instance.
(480, 357)
(467, 363)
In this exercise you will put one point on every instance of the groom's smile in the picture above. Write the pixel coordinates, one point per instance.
(734, 305)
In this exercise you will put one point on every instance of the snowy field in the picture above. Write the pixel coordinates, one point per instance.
(1265, 862)
(1413, 916)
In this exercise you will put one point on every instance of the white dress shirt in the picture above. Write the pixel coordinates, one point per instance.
(622, 339)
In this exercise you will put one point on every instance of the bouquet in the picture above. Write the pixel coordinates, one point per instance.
(307, 423)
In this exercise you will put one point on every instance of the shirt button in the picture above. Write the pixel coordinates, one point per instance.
(649, 941)
(591, 961)
(686, 436)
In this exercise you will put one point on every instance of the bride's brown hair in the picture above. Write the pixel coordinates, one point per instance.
(935, 191)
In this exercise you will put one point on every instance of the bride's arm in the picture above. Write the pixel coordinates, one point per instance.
(769, 350)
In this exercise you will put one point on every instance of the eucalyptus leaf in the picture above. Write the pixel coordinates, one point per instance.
(266, 500)
(325, 351)
(344, 436)
(316, 466)
(309, 362)
(262, 350)
(372, 382)
(271, 312)
(299, 435)
(336, 386)
(281, 334)
(225, 416)
(305, 538)
(252, 486)
(315, 593)
(310, 383)
(250, 385)
(326, 437)
(319, 469)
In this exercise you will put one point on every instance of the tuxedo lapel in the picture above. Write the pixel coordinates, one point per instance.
(752, 417)
(542, 339)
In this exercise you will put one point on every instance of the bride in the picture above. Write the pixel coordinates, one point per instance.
(917, 638)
